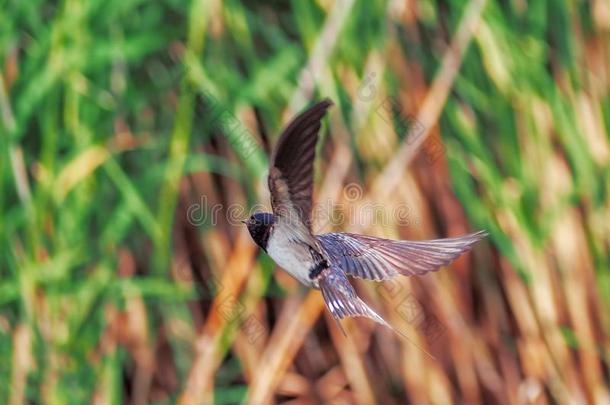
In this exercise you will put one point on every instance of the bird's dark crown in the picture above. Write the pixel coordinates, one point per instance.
(259, 225)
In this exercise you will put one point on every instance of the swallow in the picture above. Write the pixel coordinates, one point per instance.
(325, 261)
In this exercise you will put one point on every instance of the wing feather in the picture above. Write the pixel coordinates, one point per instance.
(291, 171)
(380, 259)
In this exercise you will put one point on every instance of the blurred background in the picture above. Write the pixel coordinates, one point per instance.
(135, 135)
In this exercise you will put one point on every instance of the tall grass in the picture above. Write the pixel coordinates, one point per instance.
(131, 133)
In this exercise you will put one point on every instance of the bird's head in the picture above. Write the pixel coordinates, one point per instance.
(259, 225)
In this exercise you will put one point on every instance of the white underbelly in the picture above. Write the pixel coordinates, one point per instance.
(295, 261)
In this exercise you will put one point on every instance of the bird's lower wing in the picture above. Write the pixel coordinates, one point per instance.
(374, 258)
(341, 298)
(342, 301)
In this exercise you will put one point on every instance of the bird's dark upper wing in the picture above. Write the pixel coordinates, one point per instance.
(291, 170)
(379, 259)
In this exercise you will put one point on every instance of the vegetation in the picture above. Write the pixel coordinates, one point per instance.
(134, 136)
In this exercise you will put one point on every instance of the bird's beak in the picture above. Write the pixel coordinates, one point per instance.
(244, 222)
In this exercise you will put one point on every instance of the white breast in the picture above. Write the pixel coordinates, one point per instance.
(291, 256)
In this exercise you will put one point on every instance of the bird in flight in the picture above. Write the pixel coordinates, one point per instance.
(324, 261)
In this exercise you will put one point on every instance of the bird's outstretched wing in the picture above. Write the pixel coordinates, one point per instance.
(380, 259)
(291, 170)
